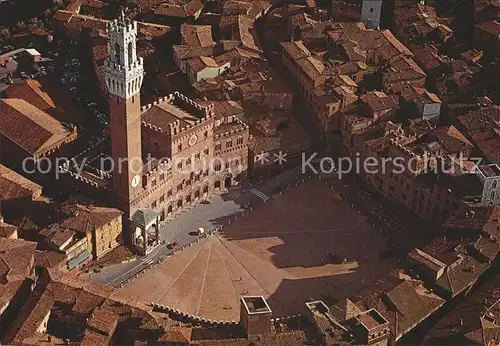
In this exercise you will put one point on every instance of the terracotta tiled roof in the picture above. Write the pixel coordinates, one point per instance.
(74, 6)
(296, 49)
(464, 324)
(491, 27)
(86, 302)
(177, 335)
(223, 108)
(188, 52)
(312, 67)
(427, 56)
(244, 32)
(461, 275)
(258, 6)
(30, 91)
(30, 128)
(15, 186)
(192, 7)
(200, 63)
(300, 19)
(93, 338)
(403, 68)
(84, 219)
(411, 93)
(7, 230)
(86, 299)
(170, 10)
(197, 35)
(380, 101)
(412, 305)
(482, 125)
(232, 7)
(49, 259)
(407, 13)
(163, 114)
(34, 310)
(60, 237)
(179, 10)
(103, 321)
(16, 259)
(63, 16)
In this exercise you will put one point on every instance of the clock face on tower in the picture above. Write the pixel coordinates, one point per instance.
(135, 181)
(192, 141)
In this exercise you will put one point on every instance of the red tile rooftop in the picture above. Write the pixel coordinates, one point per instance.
(197, 35)
(179, 10)
(232, 7)
(371, 319)
(163, 114)
(34, 130)
(103, 321)
(296, 49)
(481, 124)
(30, 90)
(312, 67)
(465, 323)
(15, 186)
(490, 27)
(84, 219)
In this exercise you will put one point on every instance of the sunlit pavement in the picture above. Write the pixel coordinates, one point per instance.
(208, 216)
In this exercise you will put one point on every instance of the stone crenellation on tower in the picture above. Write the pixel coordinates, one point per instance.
(124, 71)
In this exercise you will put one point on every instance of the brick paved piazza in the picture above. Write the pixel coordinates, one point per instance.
(278, 251)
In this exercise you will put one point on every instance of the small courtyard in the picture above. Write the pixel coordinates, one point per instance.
(302, 245)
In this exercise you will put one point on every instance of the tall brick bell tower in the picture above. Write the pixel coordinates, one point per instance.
(124, 73)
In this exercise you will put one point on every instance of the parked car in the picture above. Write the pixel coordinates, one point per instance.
(173, 245)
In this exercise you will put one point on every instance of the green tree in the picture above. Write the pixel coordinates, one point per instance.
(4, 35)
(34, 23)
(20, 26)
